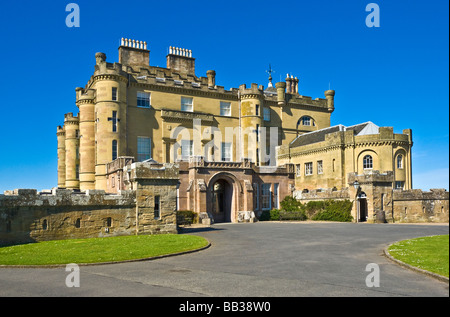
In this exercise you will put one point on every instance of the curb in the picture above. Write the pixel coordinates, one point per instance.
(413, 268)
(51, 266)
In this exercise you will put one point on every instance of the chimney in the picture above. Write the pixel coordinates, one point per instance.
(211, 74)
(133, 53)
(181, 60)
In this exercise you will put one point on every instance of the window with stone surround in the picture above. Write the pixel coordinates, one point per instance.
(225, 108)
(319, 167)
(144, 148)
(399, 161)
(187, 104)
(309, 168)
(367, 162)
(157, 209)
(266, 113)
(114, 93)
(143, 99)
(266, 196)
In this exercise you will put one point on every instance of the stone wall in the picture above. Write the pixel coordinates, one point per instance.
(27, 215)
(419, 206)
(147, 207)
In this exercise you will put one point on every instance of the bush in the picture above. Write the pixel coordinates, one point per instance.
(290, 204)
(186, 217)
(333, 210)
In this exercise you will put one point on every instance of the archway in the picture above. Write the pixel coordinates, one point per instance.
(362, 207)
(221, 200)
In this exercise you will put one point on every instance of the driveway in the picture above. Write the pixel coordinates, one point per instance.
(252, 260)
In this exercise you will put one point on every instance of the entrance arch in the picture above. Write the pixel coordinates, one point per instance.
(362, 207)
(222, 197)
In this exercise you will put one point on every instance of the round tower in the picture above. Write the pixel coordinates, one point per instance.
(110, 117)
(252, 101)
(86, 104)
(61, 137)
(71, 128)
(329, 94)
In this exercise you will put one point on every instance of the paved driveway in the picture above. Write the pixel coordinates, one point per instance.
(259, 259)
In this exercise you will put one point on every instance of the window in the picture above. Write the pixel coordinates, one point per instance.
(143, 99)
(225, 108)
(298, 169)
(306, 121)
(77, 171)
(275, 195)
(114, 94)
(226, 151)
(44, 224)
(78, 223)
(144, 148)
(114, 121)
(308, 168)
(256, 195)
(257, 110)
(157, 210)
(399, 161)
(187, 104)
(399, 185)
(367, 162)
(266, 113)
(108, 222)
(265, 196)
(186, 149)
(319, 167)
(114, 149)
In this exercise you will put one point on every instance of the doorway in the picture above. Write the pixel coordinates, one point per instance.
(362, 204)
(222, 198)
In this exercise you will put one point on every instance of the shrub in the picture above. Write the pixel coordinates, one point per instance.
(186, 217)
(289, 203)
(335, 210)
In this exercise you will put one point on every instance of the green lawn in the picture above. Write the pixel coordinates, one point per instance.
(427, 253)
(99, 249)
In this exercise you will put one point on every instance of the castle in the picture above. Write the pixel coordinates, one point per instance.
(235, 153)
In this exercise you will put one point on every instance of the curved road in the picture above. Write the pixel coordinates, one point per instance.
(251, 260)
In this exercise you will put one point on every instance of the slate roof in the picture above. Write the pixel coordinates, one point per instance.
(319, 135)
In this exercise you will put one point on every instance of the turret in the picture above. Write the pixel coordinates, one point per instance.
(61, 137)
(71, 128)
(329, 94)
(85, 100)
(110, 119)
(252, 101)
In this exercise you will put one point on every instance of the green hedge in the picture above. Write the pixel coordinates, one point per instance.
(186, 217)
(292, 209)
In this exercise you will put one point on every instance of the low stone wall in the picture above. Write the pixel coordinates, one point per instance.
(418, 206)
(27, 215)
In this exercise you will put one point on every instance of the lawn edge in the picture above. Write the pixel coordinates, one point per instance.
(413, 268)
(51, 266)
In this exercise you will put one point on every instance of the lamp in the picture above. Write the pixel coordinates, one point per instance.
(356, 185)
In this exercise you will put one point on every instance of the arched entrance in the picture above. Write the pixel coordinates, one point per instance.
(221, 200)
(362, 207)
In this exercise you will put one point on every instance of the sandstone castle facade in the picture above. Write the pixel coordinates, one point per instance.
(150, 141)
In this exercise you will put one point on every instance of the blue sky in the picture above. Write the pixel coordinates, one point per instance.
(395, 75)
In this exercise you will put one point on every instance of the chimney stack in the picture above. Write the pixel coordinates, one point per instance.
(133, 53)
(181, 60)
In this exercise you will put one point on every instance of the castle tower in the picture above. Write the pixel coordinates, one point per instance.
(329, 94)
(85, 100)
(252, 101)
(110, 116)
(61, 137)
(71, 128)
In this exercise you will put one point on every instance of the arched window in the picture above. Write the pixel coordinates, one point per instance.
(399, 161)
(306, 121)
(367, 162)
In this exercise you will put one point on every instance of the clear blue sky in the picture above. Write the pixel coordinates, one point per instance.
(396, 75)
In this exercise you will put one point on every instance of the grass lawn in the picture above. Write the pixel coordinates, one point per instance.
(427, 253)
(99, 249)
